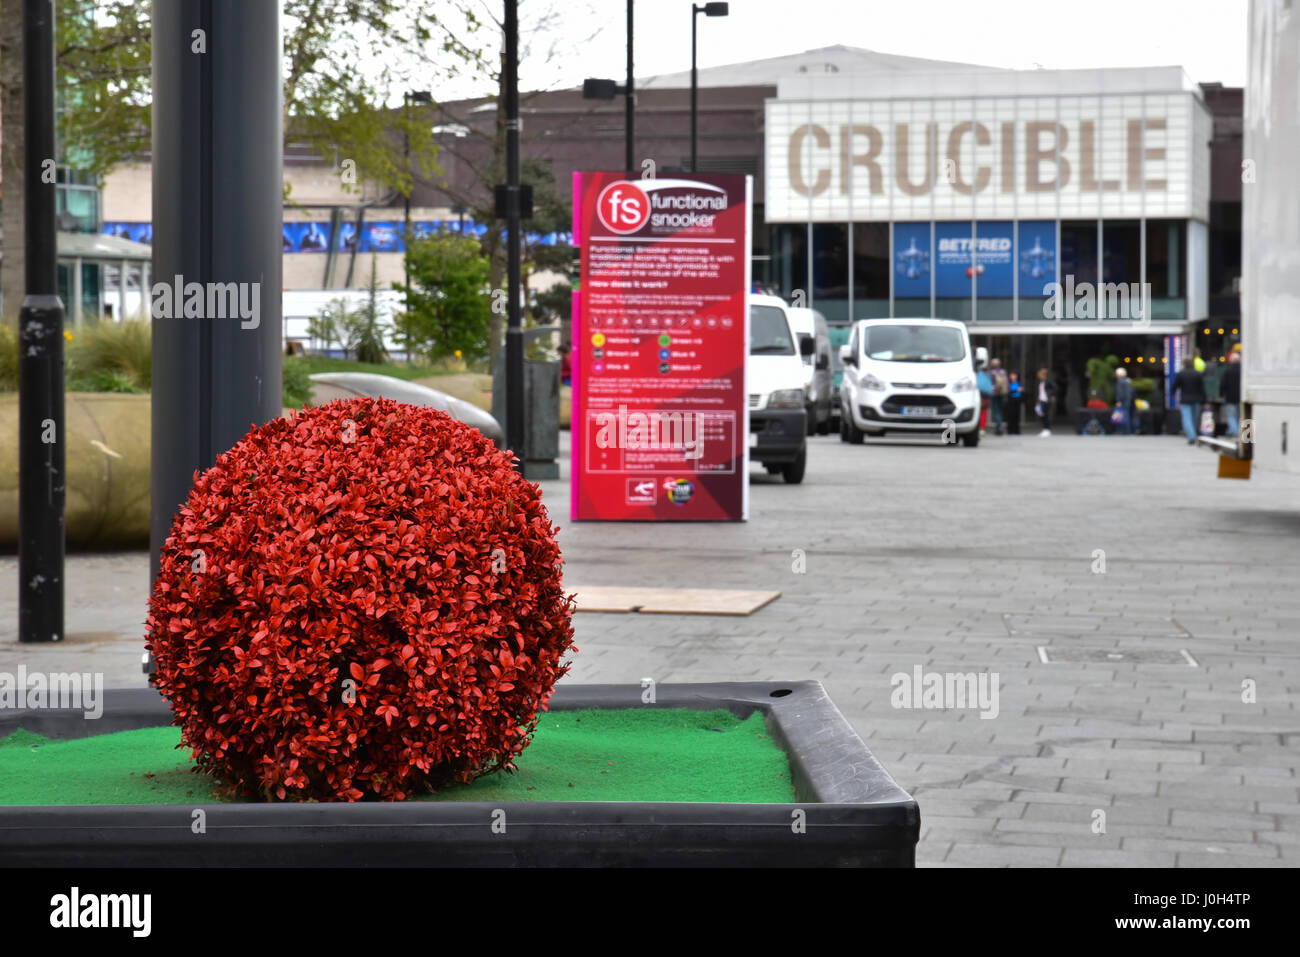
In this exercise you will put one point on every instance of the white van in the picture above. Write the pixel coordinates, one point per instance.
(909, 375)
(819, 401)
(774, 377)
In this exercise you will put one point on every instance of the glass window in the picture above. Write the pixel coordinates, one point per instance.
(907, 343)
(1121, 251)
(769, 333)
(831, 270)
(830, 261)
(788, 267)
(870, 270)
(1165, 273)
(1079, 251)
(1165, 258)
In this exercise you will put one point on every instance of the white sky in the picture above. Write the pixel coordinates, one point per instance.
(1205, 37)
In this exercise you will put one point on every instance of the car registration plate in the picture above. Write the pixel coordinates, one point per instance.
(920, 410)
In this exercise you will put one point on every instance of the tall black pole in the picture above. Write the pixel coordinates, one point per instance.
(514, 329)
(218, 202)
(630, 126)
(694, 83)
(41, 449)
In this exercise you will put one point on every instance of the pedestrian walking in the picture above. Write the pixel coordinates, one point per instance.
(1001, 389)
(1015, 403)
(1230, 388)
(1043, 408)
(984, 382)
(1125, 400)
(1189, 387)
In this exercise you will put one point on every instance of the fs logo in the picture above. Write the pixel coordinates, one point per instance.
(623, 207)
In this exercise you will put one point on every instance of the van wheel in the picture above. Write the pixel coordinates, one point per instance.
(793, 473)
(848, 431)
(971, 439)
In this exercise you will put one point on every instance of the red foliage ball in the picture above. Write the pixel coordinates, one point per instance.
(362, 601)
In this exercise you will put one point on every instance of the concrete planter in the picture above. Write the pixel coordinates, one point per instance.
(850, 812)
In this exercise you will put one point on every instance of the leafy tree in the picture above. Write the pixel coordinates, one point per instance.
(450, 309)
(325, 327)
(104, 60)
(551, 215)
(545, 32)
(337, 317)
(369, 326)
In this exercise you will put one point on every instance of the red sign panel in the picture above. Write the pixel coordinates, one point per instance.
(660, 334)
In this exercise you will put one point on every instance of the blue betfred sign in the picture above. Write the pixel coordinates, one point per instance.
(911, 260)
(1037, 257)
(981, 262)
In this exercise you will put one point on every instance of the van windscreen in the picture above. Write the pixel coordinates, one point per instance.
(906, 343)
(769, 334)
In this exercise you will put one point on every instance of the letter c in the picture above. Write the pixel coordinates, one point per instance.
(823, 141)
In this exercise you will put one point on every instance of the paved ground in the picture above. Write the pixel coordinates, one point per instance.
(963, 561)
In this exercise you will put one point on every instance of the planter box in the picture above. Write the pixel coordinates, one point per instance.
(852, 812)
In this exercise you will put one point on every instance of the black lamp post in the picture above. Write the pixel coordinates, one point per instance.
(409, 97)
(608, 89)
(41, 443)
(709, 10)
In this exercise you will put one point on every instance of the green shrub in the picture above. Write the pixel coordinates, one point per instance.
(8, 359)
(104, 380)
(112, 347)
(296, 390)
(1144, 387)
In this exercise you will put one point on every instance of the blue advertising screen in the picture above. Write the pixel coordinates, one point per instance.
(911, 260)
(995, 260)
(136, 232)
(952, 242)
(383, 237)
(306, 237)
(963, 260)
(1037, 251)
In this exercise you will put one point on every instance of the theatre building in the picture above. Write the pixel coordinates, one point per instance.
(1061, 214)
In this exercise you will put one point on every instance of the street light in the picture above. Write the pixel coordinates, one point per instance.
(608, 89)
(409, 97)
(709, 10)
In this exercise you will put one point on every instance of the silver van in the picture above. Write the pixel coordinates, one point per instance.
(819, 399)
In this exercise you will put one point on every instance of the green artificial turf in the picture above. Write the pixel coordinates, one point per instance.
(641, 754)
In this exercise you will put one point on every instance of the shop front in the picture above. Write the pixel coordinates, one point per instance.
(1061, 214)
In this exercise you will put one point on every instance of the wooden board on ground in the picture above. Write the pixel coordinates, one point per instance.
(673, 601)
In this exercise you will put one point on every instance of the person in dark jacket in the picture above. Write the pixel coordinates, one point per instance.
(1230, 388)
(1015, 398)
(1125, 396)
(1189, 388)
